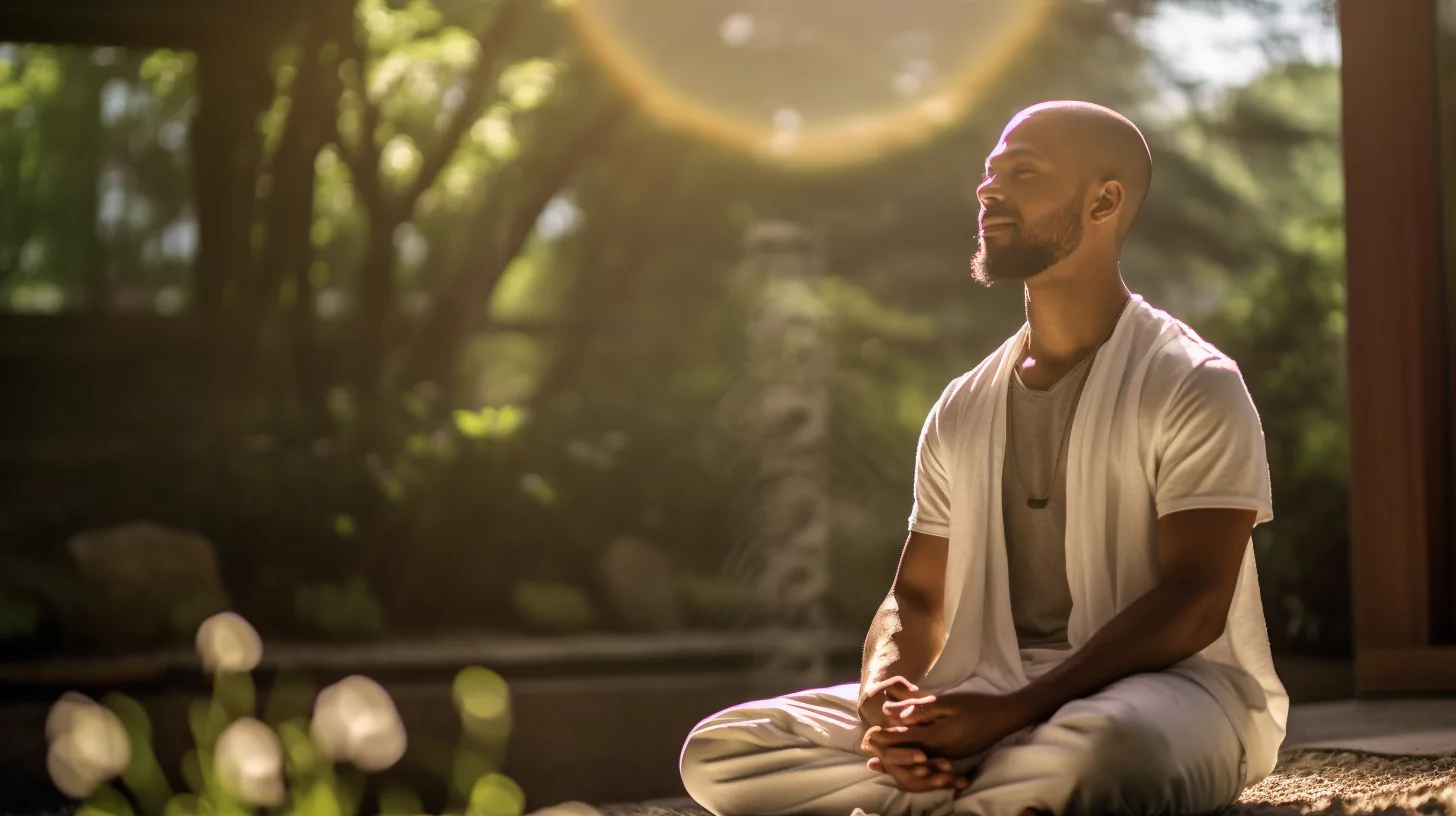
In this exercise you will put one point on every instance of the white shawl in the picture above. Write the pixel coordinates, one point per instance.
(1111, 526)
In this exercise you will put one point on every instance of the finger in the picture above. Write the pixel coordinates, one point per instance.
(888, 737)
(908, 702)
(904, 757)
(913, 784)
(943, 765)
(876, 765)
(867, 742)
(898, 688)
(946, 780)
(909, 782)
(921, 711)
(917, 709)
(918, 715)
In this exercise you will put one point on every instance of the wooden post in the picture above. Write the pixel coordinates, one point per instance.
(1399, 374)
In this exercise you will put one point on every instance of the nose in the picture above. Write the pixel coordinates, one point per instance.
(989, 192)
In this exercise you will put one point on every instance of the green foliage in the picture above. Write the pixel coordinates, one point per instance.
(585, 387)
(143, 775)
(496, 795)
(1284, 322)
(557, 608)
(715, 601)
(303, 772)
(67, 114)
(488, 423)
(185, 616)
(339, 611)
(18, 617)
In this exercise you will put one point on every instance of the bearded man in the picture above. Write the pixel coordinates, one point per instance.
(1075, 624)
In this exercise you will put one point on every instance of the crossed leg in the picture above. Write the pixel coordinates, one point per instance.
(1148, 744)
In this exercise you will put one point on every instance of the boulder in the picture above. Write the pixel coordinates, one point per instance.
(642, 585)
(148, 584)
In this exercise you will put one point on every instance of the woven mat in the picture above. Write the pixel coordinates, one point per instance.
(1350, 783)
(1323, 782)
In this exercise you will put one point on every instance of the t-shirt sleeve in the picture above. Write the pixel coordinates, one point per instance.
(931, 512)
(1212, 446)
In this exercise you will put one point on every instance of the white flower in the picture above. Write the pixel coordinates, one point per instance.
(249, 762)
(88, 745)
(227, 642)
(354, 720)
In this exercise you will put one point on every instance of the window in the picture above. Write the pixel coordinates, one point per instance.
(96, 199)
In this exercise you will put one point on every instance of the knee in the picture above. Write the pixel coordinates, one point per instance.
(1128, 769)
(696, 771)
(701, 765)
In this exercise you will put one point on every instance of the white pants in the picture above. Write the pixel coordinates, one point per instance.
(1148, 744)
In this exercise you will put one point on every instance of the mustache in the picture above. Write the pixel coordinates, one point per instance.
(1000, 212)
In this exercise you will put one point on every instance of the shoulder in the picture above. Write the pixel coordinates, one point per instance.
(962, 390)
(1190, 380)
(1182, 363)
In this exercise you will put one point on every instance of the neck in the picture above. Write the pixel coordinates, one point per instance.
(1070, 314)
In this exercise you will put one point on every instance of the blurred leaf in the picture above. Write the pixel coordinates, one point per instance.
(143, 774)
(536, 486)
(496, 795)
(528, 84)
(345, 526)
(553, 607)
(106, 801)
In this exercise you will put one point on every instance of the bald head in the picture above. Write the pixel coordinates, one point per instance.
(1105, 144)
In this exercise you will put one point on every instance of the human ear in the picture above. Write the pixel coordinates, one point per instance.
(1108, 202)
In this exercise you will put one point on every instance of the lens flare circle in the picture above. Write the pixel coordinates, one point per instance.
(809, 84)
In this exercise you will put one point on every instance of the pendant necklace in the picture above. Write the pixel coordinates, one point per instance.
(1034, 501)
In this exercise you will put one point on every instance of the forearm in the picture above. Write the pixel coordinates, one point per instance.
(904, 639)
(1167, 625)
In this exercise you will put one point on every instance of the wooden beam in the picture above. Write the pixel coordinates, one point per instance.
(184, 24)
(1425, 670)
(1397, 337)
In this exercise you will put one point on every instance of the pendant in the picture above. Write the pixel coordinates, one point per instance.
(1037, 504)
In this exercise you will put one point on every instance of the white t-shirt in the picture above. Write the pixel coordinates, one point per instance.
(1212, 452)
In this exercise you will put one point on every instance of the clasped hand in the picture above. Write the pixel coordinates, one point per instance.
(915, 737)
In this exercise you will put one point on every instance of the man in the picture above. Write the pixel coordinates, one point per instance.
(1075, 625)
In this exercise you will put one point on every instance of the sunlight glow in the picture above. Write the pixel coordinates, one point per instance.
(863, 82)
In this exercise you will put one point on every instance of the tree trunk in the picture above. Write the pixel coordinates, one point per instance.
(376, 316)
(288, 216)
(497, 233)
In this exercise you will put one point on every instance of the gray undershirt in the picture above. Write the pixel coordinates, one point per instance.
(1036, 556)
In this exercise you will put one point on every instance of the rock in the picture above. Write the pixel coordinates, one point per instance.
(150, 584)
(642, 585)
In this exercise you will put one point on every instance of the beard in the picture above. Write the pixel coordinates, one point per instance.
(1032, 249)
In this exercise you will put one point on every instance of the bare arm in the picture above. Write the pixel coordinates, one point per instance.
(1199, 556)
(908, 630)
